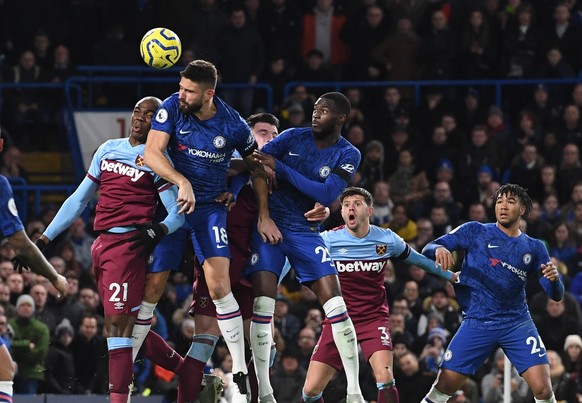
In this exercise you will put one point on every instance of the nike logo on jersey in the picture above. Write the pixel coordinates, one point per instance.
(541, 355)
(185, 131)
(221, 246)
(492, 246)
(292, 154)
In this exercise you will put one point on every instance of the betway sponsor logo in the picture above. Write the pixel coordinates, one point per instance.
(359, 265)
(521, 273)
(122, 169)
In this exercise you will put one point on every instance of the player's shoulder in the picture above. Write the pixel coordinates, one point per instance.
(472, 227)
(334, 233)
(294, 132)
(4, 184)
(173, 99)
(113, 144)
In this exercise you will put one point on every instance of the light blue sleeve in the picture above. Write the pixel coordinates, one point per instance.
(416, 259)
(72, 208)
(173, 220)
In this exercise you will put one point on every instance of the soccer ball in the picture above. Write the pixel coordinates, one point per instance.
(160, 48)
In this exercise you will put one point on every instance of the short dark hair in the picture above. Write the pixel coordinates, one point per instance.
(515, 190)
(357, 191)
(201, 71)
(263, 117)
(341, 103)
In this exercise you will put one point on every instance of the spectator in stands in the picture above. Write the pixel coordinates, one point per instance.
(26, 107)
(550, 209)
(89, 351)
(472, 113)
(414, 380)
(313, 68)
(11, 164)
(398, 53)
(398, 326)
(477, 49)
(382, 116)
(42, 312)
(41, 47)
(555, 67)
(565, 36)
(15, 282)
(62, 67)
(432, 353)
(321, 30)
(437, 53)
(577, 96)
(360, 112)
(440, 220)
(66, 251)
(280, 25)
(525, 170)
(477, 212)
(306, 341)
(536, 226)
(554, 324)
(544, 106)
(528, 130)
(569, 180)
(442, 196)
(399, 139)
(432, 109)
(548, 180)
(383, 204)
(5, 305)
(289, 376)
(438, 151)
(492, 383)
(520, 45)
(479, 153)
(241, 59)
(561, 244)
(560, 380)
(401, 222)
(425, 233)
(60, 364)
(454, 134)
(81, 242)
(412, 294)
(29, 347)
(277, 75)
(408, 183)
(356, 135)
(287, 324)
(373, 168)
(362, 35)
(69, 307)
(445, 172)
(499, 136)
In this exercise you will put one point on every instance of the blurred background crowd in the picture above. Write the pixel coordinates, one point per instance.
(431, 162)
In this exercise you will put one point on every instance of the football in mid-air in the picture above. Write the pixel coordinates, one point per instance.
(160, 48)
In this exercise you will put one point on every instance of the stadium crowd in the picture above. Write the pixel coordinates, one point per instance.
(430, 166)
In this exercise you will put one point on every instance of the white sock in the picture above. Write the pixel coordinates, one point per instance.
(552, 399)
(142, 326)
(231, 325)
(261, 339)
(6, 391)
(434, 396)
(344, 336)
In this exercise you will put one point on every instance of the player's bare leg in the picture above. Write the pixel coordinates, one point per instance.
(447, 383)
(382, 364)
(328, 292)
(119, 328)
(216, 273)
(261, 333)
(317, 378)
(538, 380)
(6, 375)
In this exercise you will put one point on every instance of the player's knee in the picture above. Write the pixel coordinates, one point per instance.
(384, 376)
(542, 391)
(218, 290)
(311, 390)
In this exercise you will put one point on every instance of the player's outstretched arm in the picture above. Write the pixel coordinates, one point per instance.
(430, 266)
(325, 192)
(174, 219)
(265, 225)
(32, 257)
(155, 158)
(70, 210)
(551, 282)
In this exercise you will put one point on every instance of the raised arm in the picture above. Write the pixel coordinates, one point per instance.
(155, 158)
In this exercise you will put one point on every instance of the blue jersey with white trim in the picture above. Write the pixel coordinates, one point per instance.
(360, 263)
(201, 149)
(491, 290)
(9, 220)
(296, 148)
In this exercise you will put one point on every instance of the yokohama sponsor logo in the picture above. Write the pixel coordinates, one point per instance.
(359, 265)
(214, 156)
(122, 169)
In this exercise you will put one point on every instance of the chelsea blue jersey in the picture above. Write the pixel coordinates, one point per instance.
(201, 149)
(491, 290)
(9, 221)
(296, 149)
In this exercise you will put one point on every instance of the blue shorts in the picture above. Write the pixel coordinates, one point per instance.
(206, 226)
(470, 347)
(306, 251)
